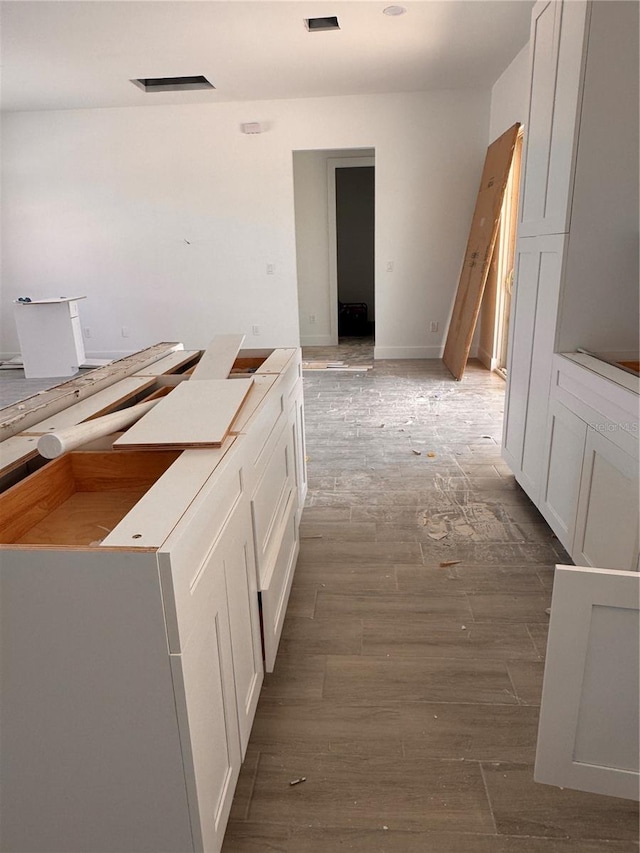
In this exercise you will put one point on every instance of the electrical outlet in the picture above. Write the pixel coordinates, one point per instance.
(312, 319)
(87, 332)
(125, 332)
(434, 326)
(255, 330)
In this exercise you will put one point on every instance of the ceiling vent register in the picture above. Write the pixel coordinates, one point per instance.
(173, 84)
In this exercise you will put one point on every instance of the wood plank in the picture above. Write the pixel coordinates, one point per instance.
(84, 519)
(20, 416)
(28, 502)
(195, 414)
(171, 364)
(477, 259)
(277, 361)
(218, 358)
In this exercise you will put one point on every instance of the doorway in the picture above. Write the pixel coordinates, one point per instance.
(353, 206)
(334, 193)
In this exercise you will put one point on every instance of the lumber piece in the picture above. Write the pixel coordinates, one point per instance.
(479, 251)
(195, 414)
(218, 358)
(18, 417)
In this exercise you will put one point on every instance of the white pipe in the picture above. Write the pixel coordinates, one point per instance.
(54, 444)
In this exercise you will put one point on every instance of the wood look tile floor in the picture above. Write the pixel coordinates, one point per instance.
(405, 692)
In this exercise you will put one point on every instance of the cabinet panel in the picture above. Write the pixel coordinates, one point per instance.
(565, 449)
(205, 700)
(275, 589)
(588, 733)
(607, 521)
(537, 286)
(557, 50)
(236, 553)
(269, 500)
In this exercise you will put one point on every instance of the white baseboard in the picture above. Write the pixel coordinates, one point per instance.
(487, 359)
(316, 341)
(112, 355)
(408, 352)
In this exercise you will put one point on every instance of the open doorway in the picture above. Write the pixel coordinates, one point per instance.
(351, 229)
(334, 193)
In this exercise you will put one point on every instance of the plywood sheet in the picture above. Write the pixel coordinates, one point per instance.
(194, 414)
(217, 360)
(477, 259)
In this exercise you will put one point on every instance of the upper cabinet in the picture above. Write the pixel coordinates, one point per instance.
(557, 57)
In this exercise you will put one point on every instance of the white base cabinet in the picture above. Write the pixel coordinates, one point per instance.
(590, 492)
(607, 518)
(139, 589)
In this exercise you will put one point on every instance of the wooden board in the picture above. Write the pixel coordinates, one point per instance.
(195, 414)
(218, 358)
(477, 258)
(21, 415)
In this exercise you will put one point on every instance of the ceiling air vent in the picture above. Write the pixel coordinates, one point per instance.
(173, 84)
(318, 24)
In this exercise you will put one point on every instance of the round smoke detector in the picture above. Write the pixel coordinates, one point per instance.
(394, 11)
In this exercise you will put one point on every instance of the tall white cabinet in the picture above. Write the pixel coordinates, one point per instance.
(571, 420)
(576, 282)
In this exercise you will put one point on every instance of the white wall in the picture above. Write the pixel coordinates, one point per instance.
(510, 96)
(166, 217)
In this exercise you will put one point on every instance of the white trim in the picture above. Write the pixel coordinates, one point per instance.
(334, 163)
(112, 355)
(408, 352)
(487, 359)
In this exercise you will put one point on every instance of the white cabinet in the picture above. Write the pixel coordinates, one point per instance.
(590, 492)
(133, 630)
(607, 517)
(565, 451)
(534, 306)
(218, 674)
(50, 336)
(576, 275)
(589, 725)
(557, 53)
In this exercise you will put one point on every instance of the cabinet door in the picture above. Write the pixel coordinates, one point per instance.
(534, 309)
(235, 552)
(205, 701)
(566, 434)
(557, 69)
(588, 732)
(607, 522)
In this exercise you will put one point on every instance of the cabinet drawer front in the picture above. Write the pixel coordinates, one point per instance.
(275, 593)
(269, 499)
(184, 556)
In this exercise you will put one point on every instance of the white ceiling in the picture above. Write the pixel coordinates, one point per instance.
(58, 54)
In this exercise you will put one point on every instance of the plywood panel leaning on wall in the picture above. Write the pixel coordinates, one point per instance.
(477, 258)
